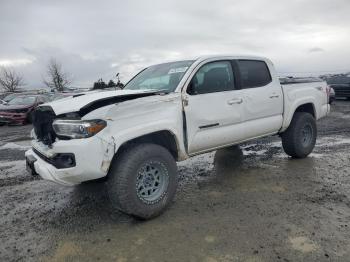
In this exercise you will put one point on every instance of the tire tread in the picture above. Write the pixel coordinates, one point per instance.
(290, 138)
(123, 167)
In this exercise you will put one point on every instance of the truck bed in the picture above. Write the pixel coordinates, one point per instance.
(301, 92)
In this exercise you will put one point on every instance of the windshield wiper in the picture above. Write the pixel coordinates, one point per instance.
(162, 92)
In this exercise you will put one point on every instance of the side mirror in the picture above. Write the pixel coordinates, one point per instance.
(191, 89)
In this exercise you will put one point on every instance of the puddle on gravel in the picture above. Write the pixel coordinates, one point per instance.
(303, 244)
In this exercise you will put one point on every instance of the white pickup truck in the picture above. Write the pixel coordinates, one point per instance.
(167, 113)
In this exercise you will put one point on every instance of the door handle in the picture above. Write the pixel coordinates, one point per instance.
(274, 96)
(235, 101)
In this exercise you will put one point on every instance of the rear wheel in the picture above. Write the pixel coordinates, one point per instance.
(143, 180)
(299, 139)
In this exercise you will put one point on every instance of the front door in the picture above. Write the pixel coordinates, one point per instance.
(213, 108)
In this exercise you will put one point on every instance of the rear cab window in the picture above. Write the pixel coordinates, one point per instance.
(253, 73)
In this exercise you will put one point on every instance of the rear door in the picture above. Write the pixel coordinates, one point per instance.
(213, 107)
(263, 98)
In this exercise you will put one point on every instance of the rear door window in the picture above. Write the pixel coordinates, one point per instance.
(254, 73)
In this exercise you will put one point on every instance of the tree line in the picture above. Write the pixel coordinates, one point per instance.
(56, 79)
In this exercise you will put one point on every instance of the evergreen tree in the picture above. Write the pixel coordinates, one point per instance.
(111, 83)
(100, 84)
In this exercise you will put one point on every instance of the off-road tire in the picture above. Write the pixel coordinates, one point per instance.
(123, 178)
(293, 138)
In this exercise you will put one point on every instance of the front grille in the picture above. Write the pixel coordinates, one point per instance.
(14, 110)
(341, 90)
(43, 117)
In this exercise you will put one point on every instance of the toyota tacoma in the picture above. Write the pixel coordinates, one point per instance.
(165, 114)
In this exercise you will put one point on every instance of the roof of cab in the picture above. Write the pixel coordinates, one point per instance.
(228, 56)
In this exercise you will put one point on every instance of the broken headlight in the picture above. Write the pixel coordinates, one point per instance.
(78, 128)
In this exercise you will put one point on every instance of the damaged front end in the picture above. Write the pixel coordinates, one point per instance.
(66, 148)
(57, 156)
(43, 118)
(47, 131)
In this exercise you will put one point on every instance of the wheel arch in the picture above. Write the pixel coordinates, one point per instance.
(164, 138)
(307, 107)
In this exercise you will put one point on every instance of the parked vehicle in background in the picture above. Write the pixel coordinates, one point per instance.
(8, 97)
(168, 113)
(340, 84)
(19, 109)
(299, 80)
(331, 95)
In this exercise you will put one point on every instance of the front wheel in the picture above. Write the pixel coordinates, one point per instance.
(142, 181)
(300, 137)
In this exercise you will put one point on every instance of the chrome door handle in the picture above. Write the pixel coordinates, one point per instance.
(235, 101)
(274, 96)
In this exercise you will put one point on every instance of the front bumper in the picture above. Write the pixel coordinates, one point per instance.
(13, 118)
(92, 159)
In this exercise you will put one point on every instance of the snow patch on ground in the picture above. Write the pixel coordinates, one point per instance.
(252, 152)
(333, 141)
(316, 155)
(275, 144)
(313, 155)
(12, 168)
(21, 146)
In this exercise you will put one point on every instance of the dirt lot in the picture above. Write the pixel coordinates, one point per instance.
(251, 203)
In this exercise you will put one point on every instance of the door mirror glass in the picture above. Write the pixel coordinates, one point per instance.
(191, 89)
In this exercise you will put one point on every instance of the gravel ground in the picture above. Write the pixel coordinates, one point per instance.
(251, 203)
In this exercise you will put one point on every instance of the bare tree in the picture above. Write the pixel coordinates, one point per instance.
(56, 79)
(10, 80)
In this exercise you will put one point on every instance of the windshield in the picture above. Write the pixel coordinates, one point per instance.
(22, 100)
(10, 97)
(163, 77)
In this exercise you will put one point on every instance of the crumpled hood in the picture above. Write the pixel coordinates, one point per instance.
(74, 104)
(142, 106)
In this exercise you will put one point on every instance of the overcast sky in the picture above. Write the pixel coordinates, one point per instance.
(94, 39)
